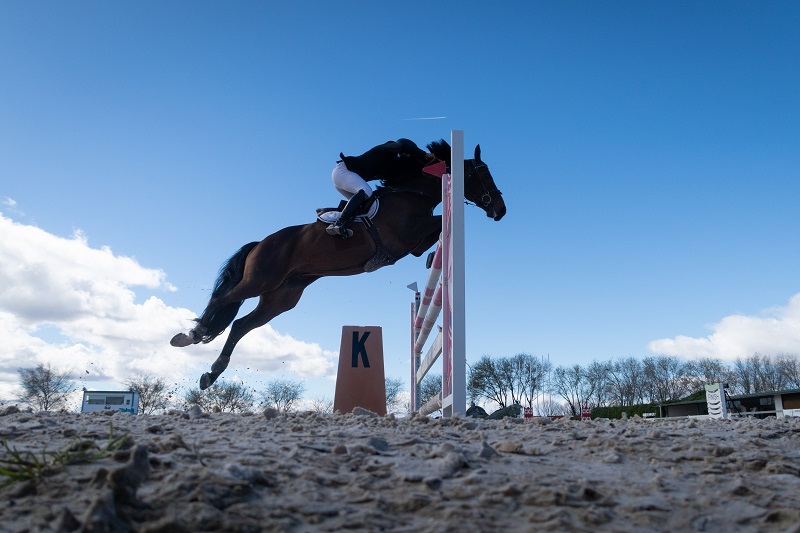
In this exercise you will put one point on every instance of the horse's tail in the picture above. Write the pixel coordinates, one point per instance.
(230, 275)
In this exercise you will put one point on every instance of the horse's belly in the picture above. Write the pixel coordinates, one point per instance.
(381, 259)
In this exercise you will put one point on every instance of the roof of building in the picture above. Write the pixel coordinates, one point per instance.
(737, 396)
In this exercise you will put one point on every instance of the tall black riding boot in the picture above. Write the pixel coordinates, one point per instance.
(341, 226)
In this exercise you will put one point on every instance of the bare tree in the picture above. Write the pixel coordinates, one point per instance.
(487, 379)
(508, 373)
(513, 380)
(666, 378)
(153, 394)
(394, 386)
(223, 397)
(770, 377)
(529, 376)
(708, 370)
(598, 376)
(790, 369)
(282, 394)
(550, 407)
(574, 386)
(757, 373)
(44, 388)
(431, 386)
(745, 376)
(322, 406)
(627, 381)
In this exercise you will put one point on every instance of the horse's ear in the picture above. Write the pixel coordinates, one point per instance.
(478, 152)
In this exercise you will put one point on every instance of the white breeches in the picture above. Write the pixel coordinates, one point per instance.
(347, 182)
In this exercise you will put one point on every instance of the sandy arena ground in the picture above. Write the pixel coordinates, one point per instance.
(198, 472)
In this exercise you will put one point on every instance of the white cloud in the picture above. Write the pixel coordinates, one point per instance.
(776, 331)
(10, 202)
(74, 306)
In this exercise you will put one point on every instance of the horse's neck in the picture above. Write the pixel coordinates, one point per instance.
(409, 202)
(406, 221)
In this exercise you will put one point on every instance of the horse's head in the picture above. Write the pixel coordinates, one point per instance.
(479, 187)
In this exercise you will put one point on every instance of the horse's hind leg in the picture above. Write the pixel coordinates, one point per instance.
(212, 322)
(269, 306)
(215, 318)
(219, 313)
(228, 295)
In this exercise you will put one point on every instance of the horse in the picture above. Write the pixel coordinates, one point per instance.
(279, 268)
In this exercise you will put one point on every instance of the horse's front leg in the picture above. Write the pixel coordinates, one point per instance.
(219, 366)
(257, 317)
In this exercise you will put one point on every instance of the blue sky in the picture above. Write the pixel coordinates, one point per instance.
(647, 152)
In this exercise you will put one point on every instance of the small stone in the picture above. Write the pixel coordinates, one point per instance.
(611, 457)
(360, 411)
(508, 446)
(379, 444)
(487, 452)
(10, 410)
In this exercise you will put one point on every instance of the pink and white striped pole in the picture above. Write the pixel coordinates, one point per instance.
(430, 319)
(430, 287)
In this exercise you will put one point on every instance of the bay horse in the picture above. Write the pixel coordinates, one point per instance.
(280, 267)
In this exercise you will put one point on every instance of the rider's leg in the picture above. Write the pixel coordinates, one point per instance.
(342, 226)
(353, 187)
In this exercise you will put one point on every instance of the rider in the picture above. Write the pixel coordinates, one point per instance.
(386, 161)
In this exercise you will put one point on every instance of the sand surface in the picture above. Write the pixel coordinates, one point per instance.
(199, 472)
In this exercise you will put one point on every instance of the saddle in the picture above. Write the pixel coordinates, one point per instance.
(382, 257)
(329, 215)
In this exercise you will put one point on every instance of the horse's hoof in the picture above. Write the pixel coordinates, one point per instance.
(181, 340)
(206, 381)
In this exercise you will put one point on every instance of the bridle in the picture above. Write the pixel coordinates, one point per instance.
(486, 197)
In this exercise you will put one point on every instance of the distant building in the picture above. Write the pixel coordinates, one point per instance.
(759, 404)
(682, 409)
(125, 401)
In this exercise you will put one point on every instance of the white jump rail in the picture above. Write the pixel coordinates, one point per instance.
(444, 291)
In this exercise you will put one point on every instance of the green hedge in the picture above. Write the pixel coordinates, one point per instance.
(616, 412)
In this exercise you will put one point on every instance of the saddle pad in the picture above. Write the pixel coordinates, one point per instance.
(329, 217)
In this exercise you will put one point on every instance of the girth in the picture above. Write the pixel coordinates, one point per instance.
(382, 256)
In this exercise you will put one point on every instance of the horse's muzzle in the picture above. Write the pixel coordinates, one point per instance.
(496, 212)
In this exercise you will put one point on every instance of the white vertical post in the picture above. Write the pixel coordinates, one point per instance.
(415, 389)
(454, 379)
(717, 402)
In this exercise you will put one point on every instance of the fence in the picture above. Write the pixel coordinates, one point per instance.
(444, 291)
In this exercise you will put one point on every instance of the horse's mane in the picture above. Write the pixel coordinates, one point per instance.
(441, 150)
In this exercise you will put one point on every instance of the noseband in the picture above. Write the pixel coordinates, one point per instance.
(486, 197)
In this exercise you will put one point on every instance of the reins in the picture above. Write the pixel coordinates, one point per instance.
(486, 197)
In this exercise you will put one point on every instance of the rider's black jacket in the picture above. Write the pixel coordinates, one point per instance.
(388, 161)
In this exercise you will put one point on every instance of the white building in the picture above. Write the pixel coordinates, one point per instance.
(125, 401)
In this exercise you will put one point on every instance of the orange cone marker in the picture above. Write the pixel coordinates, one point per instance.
(360, 381)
